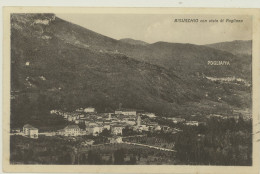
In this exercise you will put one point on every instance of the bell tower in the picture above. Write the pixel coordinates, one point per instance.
(138, 122)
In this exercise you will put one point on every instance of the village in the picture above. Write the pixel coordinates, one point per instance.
(142, 135)
(113, 125)
(95, 123)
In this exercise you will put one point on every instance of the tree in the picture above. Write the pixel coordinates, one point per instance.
(132, 159)
(105, 132)
(65, 159)
(90, 157)
(83, 159)
(119, 156)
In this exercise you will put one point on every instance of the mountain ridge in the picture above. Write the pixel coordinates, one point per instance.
(133, 41)
(236, 47)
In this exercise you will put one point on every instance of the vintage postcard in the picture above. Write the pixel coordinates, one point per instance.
(131, 90)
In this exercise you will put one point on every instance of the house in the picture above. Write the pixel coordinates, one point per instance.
(150, 115)
(157, 128)
(130, 121)
(107, 126)
(99, 121)
(192, 123)
(118, 112)
(78, 121)
(70, 130)
(115, 139)
(82, 132)
(87, 122)
(116, 129)
(178, 120)
(152, 125)
(30, 131)
(71, 118)
(79, 110)
(126, 112)
(110, 115)
(16, 130)
(91, 124)
(165, 129)
(175, 119)
(88, 142)
(89, 110)
(53, 112)
(143, 128)
(94, 130)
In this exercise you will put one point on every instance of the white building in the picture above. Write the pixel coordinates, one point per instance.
(125, 112)
(71, 118)
(89, 110)
(70, 130)
(94, 130)
(115, 139)
(192, 123)
(110, 116)
(176, 120)
(165, 128)
(130, 121)
(78, 121)
(30, 131)
(157, 128)
(150, 115)
(117, 130)
(107, 126)
(87, 143)
(79, 110)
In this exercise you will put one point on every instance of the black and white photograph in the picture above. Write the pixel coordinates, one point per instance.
(130, 89)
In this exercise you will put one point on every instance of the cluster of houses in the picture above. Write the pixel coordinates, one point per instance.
(95, 122)
(229, 79)
(183, 121)
(235, 117)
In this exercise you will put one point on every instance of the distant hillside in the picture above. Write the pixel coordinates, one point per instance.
(189, 59)
(186, 58)
(56, 64)
(133, 42)
(237, 47)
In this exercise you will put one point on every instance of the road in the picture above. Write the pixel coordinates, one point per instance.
(153, 147)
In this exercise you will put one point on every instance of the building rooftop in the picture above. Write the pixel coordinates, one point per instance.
(118, 125)
(72, 127)
(126, 110)
(29, 126)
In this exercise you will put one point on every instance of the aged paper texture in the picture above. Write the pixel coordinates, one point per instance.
(131, 90)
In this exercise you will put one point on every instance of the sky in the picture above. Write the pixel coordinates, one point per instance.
(153, 28)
